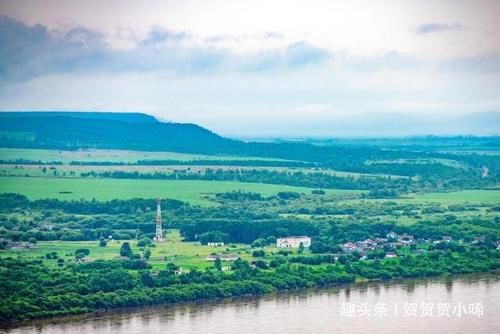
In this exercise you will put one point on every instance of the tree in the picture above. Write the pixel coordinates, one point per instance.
(144, 242)
(218, 264)
(213, 236)
(81, 253)
(261, 264)
(171, 267)
(260, 242)
(125, 250)
(288, 195)
(103, 242)
(147, 253)
(259, 253)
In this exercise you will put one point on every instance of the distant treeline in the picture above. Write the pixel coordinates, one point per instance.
(62, 131)
(86, 220)
(201, 162)
(9, 202)
(29, 162)
(297, 178)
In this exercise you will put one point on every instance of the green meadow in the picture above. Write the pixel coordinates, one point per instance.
(188, 255)
(96, 155)
(453, 197)
(191, 191)
(464, 196)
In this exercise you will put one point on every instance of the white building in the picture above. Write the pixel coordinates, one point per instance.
(215, 244)
(222, 257)
(390, 255)
(293, 242)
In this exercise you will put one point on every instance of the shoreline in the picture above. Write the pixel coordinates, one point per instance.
(117, 312)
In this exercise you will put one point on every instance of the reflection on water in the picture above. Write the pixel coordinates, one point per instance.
(308, 311)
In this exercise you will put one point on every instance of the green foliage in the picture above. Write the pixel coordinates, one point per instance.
(103, 242)
(259, 253)
(213, 236)
(143, 242)
(218, 264)
(288, 195)
(125, 250)
(300, 196)
(29, 289)
(81, 253)
(147, 254)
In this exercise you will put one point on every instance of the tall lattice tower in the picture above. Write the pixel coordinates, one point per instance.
(159, 230)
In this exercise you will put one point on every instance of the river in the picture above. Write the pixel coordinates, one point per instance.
(468, 304)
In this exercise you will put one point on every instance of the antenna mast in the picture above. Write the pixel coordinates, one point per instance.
(159, 230)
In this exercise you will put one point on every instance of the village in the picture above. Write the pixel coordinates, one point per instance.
(361, 250)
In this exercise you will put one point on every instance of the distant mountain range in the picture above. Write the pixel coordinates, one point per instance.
(77, 130)
(136, 131)
(384, 124)
(110, 116)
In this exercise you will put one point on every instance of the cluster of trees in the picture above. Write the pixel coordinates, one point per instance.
(240, 196)
(244, 217)
(315, 179)
(242, 231)
(198, 162)
(28, 289)
(11, 201)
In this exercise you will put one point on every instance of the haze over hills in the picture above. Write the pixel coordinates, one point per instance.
(110, 116)
(77, 130)
(357, 125)
(383, 125)
(106, 130)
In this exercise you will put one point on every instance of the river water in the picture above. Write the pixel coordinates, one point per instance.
(447, 305)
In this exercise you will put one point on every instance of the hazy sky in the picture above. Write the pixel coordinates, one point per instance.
(253, 67)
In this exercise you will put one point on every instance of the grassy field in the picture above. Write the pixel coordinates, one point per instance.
(456, 197)
(188, 255)
(446, 162)
(446, 198)
(75, 170)
(194, 192)
(109, 155)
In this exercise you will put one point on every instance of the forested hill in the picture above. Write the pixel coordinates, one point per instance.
(73, 130)
(110, 116)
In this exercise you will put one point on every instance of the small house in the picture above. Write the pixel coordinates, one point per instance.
(293, 242)
(390, 255)
(222, 257)
(215, 244)
(447, 238)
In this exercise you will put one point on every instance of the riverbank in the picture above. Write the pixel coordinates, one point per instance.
(306, 302)
(122, 313)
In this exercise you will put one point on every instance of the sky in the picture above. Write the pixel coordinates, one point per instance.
(258, 68)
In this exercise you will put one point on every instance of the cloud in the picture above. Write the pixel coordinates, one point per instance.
(428, 28)
(302, 53)
(243, 37)
(31, 51)
(159, 35)
(27, 51)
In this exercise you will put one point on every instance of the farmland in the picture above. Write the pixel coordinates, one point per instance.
(188, 255)
(195, 192)
(99, 155)
(71, 213)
